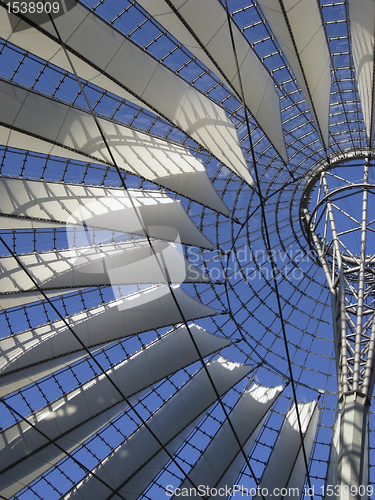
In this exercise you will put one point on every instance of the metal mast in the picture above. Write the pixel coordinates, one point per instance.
(341, 242)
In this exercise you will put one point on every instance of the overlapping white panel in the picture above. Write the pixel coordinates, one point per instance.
(141, 453)
(22, 378)
(286, 465)
(21, 223)
(35, 41)
(297, 478)
(21, 299)
(114, 209)
(122, 263)
(209, 32)
(145, 310)
(16, 478)
(50, 127)
(362, 27)
(103, 60)
(222, 461)
(300, 33)
(79, 414)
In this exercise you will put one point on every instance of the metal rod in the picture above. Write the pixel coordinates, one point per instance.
(319, 251)
(368, 379)
(343, 362)
(332, 223)
(361, 284)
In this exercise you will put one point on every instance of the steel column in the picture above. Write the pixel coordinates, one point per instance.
(351, 282)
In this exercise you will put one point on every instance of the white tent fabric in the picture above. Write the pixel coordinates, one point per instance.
(298, 475)
(362, 27)
(51, 127)
(171, 424)
(145, 310)
(286, 465)
(208, 38)
(19, 299)
(112, 264)
(298, 28)
(163, 91)
(21, 223)
(74, 418)
(16, 478)
(219, 465)
(132, 211)
(24, 377)
(19, 32)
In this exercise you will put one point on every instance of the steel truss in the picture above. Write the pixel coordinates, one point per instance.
(350, 276)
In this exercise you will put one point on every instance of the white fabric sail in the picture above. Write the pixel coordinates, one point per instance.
(111, 264)
(10, 300)
(298, 28)
(150, 81)
(362, 26)
(74, 418)
(222, 460)
(286, 465)
(51, 127)
(30, 203)
(148, 309)
(171, 423)
(208, 38)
